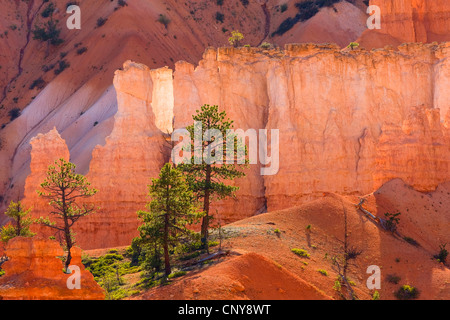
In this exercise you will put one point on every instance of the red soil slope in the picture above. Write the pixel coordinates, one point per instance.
(264, 249)
(249, 276)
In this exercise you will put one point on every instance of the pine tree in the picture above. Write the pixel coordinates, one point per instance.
(206, 179)
(20, 226)
(170, 211)
(63, 188)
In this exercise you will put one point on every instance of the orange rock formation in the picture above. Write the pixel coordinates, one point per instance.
(345, 123)
(345, 126)
(34, 272)
(120, 170)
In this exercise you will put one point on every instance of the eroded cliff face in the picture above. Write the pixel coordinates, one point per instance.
(409, 21)
(348, 122)
(124, 166)
(34, 272)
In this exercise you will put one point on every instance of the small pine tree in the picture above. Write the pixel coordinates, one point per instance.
(170, 211)
(20, 227)
(63, 188)
(392, 221)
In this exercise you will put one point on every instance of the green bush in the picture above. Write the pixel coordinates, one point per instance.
(49, 32)
(245, 2)
(300, 252)
(81, 50)
(48, 11)
(220, 17)
(177, 274)
(442, 255)
(38, 83)
(376, 295)
(392, 221)
(407, 292)
(101, 21)
(63, 64)
(265, 45)
(104, 265)
(323, 272)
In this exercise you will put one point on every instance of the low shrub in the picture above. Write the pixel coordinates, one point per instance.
(442, 255)
(163, 19)
(245, 2)
(14, 114)
(323, 272)
(265, 45)
(176, 274)
(81, 50)
(101, 21)
(62, 65)
(300, 252)
(407, 292)
(392, 278)
(411, 241)
(38, 83)
(392, 221)
(220, 17)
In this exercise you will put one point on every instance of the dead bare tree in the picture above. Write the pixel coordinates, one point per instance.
(341, 264)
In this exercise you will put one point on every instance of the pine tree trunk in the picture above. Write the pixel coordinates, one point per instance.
(67, 236)
(167, 267)
(206, 203)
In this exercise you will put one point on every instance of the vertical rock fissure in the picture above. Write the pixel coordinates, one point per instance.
(30, 19)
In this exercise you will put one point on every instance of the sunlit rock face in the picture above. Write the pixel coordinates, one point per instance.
(348, 121)
(120, 170)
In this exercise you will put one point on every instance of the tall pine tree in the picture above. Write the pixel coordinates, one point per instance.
(206, 178)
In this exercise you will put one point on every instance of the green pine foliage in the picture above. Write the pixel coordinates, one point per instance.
(21, 222)
(170, 211)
